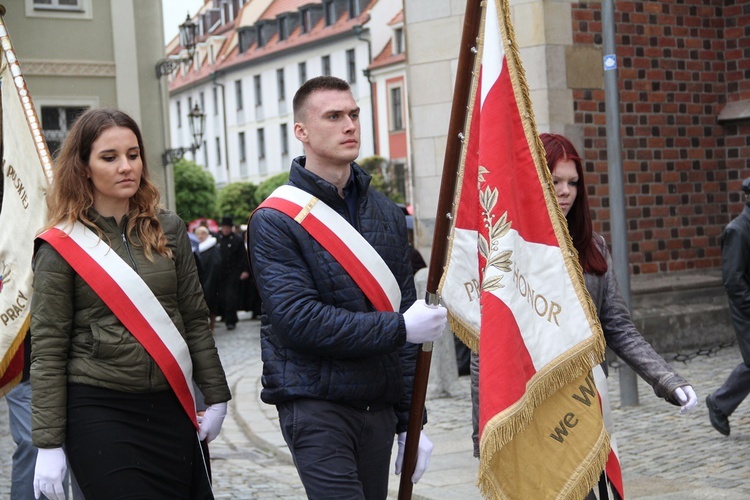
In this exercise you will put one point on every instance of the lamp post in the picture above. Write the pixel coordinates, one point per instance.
(188, 34)
(196, 121)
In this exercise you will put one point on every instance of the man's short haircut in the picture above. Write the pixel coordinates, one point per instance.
(313, 85)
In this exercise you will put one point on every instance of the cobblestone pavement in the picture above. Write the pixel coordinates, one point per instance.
(663, 455)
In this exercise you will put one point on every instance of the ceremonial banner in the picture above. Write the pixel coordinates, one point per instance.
(26, 173)
(514, 290)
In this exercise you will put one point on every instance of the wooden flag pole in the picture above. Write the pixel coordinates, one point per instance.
(462, 90)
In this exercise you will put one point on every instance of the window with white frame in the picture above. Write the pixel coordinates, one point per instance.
(280, 84)
(397, 112)
(302, 71)
(329, 12)
(325, 63)
(305, 23)
(218, 151)
(398, 41)
(261, 143)
(258, 91)
(284, 138)
(58, 4)
(215, 99)
(238, 94)
(178, 110)
(56, 123)
(353, 8)
(351, 66)
(241, 147)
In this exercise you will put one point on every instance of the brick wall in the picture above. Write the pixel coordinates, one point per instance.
(680, 62)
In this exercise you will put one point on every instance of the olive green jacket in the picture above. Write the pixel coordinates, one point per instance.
(75, 337)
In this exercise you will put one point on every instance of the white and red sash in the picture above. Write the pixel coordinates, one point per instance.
(350, 249)
(132, 301)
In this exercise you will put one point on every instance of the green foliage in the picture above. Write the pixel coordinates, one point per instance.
(237, 200)
(383, 177)
(195, 191)
(266, 187)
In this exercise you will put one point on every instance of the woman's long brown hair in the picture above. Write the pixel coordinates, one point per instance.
(558, 148)
(72, 193)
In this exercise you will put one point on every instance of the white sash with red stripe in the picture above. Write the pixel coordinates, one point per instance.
(132, 301)
(350, 249)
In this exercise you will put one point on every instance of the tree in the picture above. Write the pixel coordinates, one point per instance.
(383, 177)
(195, 191)
(266, 187)
(237, 200)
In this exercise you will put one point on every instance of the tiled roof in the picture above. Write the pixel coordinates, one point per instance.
(229, 55)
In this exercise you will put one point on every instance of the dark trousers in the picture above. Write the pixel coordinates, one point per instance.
(340, 452)
(734, 390)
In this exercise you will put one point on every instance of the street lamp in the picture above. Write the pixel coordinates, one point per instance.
(188, 34)
(196, 121)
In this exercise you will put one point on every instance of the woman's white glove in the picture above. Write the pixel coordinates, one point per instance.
(685, 395)
(424, 323)
(49, 473)
(424, 452)
(209, 424)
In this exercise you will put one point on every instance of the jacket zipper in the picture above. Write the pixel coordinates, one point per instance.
(135, 268)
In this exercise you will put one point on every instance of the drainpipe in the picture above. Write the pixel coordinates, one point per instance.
(359, 30)
(214, 77)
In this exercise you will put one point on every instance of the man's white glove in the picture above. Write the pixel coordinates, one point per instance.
(424, 323)
(209, 424)
(49, 472)
(685, 395)
(424, 452)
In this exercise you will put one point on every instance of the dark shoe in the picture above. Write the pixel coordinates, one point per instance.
(231, 327)
(717, 418)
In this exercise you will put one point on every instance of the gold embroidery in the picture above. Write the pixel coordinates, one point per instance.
(306, 210)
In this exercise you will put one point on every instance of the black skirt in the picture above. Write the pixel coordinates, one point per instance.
(134, 445)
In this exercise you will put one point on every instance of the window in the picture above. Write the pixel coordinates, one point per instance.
(261, 41)
(258, 91)
(178, 108)
(398, 41)
(326, 65)
(329, 12)
(351, 66)
(190, 104)
(305, 22)
(58, 4)
(353, 8)
(205, 154)
(218, 151)
(215, 99)
(397, 118)
(284, 138)
(238, 93)
(56, 122)
(280, 84)
(283, 28)
(202, 101)
(261, 144)
(241, 146)
(302, 70)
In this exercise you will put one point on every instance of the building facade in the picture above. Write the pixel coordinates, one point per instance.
(250, 60)
(684, 90)
(93, 53)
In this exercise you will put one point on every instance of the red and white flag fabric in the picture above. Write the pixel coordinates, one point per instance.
(26, 173)
(515, 291)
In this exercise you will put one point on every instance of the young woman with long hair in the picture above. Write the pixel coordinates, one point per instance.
(98, 389)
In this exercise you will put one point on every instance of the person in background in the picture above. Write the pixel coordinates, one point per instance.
(210, 257)
(735, 272)
(234, 269)
(129, 426)
(339, 371)
(620, 333)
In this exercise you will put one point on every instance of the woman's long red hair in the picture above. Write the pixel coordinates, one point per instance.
(558, 148)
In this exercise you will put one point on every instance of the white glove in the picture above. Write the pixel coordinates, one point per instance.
(685, 395)
(49, 472)
(424, 452)
(209, 424)
(424, 323)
